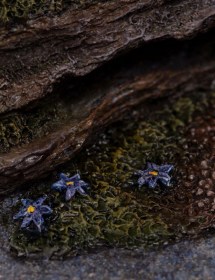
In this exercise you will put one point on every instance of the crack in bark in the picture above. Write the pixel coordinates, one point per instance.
(162, 70)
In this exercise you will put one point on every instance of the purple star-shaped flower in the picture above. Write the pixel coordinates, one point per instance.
(155, 174)
(32, 213)
(70, 185)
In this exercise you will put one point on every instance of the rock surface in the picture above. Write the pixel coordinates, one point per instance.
(186, 260)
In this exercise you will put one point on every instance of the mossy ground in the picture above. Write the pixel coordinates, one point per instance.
(116, 212)
(21, 127)
(17, 129)
(21, 10)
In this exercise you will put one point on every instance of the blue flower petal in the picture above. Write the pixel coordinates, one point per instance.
(76, 177)
(70, 192)
(81, 191)
(148, 165)
(62, 185)
(152, 166)
(22, 213)
(40, 201)
(38, 220)
(165, 179)
(45, 210)
(82, 183)
(152, 182)
(164, 175)
(149, 178)
(165, 182)
(141, 181)
(59, 185)
(26, 222)
(26, 202)
(166, 168)
(36, 215)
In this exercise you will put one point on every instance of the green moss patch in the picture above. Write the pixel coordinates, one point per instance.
(16, 10)
(17, 129)
(116, 212)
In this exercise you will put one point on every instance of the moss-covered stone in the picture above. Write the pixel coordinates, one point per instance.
(116, 212)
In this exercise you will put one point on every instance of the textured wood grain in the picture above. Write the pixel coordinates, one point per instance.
(36, 56)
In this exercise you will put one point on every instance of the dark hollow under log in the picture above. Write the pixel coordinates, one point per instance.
(39, 53)
(156, 71)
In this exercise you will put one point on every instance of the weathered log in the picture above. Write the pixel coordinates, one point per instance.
(165, 69)
(39, 53)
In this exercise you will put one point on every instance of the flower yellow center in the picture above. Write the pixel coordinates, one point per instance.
(31, 209)
(70, 183)
(154, 173)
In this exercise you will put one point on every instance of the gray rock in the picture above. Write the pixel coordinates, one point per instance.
(185, 260)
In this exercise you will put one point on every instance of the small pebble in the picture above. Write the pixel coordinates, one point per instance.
(200, 204)
(204, 164)
(202, 183)
(210, 193)
(209, 182)
(199, 191)
(191, 177)
(205, 173)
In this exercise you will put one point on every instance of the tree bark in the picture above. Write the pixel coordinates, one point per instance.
(36, 56)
